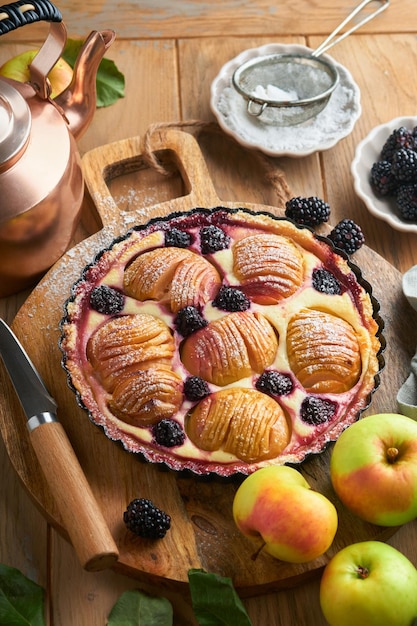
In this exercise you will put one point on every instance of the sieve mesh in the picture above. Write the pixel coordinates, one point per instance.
(286, 89)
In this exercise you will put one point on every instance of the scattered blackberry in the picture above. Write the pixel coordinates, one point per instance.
(212, 239)
(195, 388)
(178, 238)
(143, 518)
(168, 433)
(274, 383)
(382, 179)
(399, 138)
(188, 320)
(407, 202)
(316, 411)
(347, 236)
(404, 165)
(107, 300)
(231, 299)
(309, 211)
(325, 282)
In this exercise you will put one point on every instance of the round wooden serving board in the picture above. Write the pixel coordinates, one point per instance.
(202, 534)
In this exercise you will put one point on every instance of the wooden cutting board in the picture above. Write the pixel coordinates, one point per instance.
(203, 534)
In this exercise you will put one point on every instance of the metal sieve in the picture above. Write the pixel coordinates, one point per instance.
(288, 89)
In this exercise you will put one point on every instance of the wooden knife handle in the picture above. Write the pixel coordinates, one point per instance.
(82, 517)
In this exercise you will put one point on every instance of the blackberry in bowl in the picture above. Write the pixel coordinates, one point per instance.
(384, 168)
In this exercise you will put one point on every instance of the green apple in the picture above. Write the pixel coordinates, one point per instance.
(373, 469)
(369, 584)
(276, 507)
(17, 68)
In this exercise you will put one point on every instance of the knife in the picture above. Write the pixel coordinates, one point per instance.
(82, 517)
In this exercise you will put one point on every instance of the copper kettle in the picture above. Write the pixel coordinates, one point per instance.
(41, 180)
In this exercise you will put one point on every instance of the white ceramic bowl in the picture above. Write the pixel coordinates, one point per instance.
(334, 123)
(367, 153)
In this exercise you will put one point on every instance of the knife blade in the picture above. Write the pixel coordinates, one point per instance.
(79, 509)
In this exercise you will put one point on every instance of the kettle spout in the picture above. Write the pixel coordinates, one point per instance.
(78, 100)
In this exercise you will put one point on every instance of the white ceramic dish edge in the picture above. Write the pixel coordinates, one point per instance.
(367, 152)
(223, 80)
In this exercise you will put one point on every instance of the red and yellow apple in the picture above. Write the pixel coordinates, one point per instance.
(17, 68)
(373, 469)
(276, 507)
(369, 584)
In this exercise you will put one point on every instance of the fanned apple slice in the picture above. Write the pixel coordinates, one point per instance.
(270, 267)
(243, 422)
(323, 352)
(230, 348)
(174, 276)
(149, 276)
(260, 340)
(146, 396)
(125, 343)
(195, 282)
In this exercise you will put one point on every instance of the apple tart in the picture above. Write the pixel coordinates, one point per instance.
(222, 340)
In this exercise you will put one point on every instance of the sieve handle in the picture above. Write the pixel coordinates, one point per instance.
(332, 40)
(255, 109)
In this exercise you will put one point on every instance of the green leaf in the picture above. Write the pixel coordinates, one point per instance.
(110, 82)
(136, 608)
(215, 601)
(21, 600)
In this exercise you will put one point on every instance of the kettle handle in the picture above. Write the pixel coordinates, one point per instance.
(19, 13)
(22, 12)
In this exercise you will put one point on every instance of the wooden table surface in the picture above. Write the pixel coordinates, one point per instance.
(169, 53)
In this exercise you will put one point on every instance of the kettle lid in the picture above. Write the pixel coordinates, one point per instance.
(15, 122)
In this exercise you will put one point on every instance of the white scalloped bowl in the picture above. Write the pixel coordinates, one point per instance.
(366, 154)
(324, 131)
